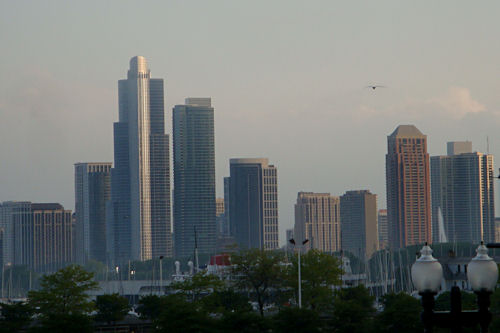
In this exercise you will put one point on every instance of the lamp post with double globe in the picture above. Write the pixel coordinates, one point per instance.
(482, 273)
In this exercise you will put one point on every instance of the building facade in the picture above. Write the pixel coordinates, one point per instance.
(253, 203)
(408, 187)
(463, 196)
(383, 229)
(139, 210)
(37, 235)
(194, 177)
(317, 218)
(92, 191)
(358, 223)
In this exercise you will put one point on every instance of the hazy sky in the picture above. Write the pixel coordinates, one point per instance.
(286, 79)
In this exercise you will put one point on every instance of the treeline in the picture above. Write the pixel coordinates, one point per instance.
(257, 294)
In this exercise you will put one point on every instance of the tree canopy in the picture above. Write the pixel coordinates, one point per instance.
(320, 273)
(62, 302)
(259, 272)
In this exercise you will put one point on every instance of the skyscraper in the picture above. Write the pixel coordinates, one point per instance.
(92, 191)
(408, 187)
(462, 195)
(194, 177)
(37, 235)
(358, 222)
(317, 218)
(139, 211)
(253, 203)
(383, 231)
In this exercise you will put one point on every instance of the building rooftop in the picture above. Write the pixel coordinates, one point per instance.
(407, 130)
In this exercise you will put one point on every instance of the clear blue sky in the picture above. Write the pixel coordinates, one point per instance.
(286, 79)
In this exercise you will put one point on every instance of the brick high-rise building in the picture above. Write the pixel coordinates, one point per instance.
(317, 218)
(408, 187)
(37, 235)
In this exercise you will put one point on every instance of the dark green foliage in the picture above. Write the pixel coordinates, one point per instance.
(401, 314)
(111, 308)
(62, 302)
(226, 301)
(259, 272)
(244, 322)
(353, 310)
(199, 285)
(320, 272)
(15, 317)
(469, 301)
(295, 320)
(179, 315)
(150, 307)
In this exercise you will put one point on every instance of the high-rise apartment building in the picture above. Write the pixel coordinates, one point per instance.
(194, 177)
(462, 195)
(383, 229)
(253, 203)
(39, 236)
(139, 210)
(92, 191)
(358, 223)
(219, 216)
(317, 218)
(408, 187)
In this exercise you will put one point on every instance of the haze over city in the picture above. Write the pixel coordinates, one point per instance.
(287, 80)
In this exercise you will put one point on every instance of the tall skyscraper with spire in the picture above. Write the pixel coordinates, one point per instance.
(408, 187)
(139, 211)
(194, 177)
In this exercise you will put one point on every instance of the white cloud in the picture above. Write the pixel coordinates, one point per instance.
(458, 102)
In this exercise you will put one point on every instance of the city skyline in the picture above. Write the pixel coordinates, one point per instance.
(61, 89)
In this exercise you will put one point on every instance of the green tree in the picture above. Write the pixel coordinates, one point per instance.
(295, 320)
(223, 301)
(199, 285)
(468, 301)
(179, 315)
(320, 272)
(259, 272)
(401, 314)
(353, 310)
(150, 306)
(111, 308)
(243, 322)
(15, 317)
(63, 302)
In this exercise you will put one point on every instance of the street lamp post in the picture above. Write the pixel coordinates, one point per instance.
(482, 273)
(161, 275)
(292, 241)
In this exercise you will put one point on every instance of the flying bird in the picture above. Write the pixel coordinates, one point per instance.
(375, 86)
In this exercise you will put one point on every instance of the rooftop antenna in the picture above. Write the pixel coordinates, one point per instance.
(488, 145)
